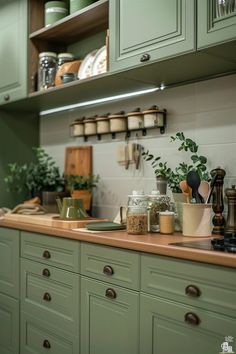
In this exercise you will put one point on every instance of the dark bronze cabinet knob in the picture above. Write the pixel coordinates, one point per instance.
(192, 318)
(110, 293)
(46, 344)
(46, 273)
(47, 297)
(6, 97)
(145, 57)
(108, 270)
(192, 290)
(46, 254)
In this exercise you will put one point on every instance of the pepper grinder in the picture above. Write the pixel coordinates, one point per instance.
(218, 219)
(230, 226)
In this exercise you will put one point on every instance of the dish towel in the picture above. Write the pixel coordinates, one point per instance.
(29, 209)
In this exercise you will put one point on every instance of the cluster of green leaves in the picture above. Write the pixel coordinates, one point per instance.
(180, 172)
(39, 175)
(82, 182)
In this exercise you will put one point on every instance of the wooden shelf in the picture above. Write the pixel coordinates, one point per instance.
(89, 20)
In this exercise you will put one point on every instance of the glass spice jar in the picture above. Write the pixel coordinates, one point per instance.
(47, 70)
(137, 215)
(156, 203)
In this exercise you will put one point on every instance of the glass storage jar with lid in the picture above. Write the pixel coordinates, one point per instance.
(64, 58)
(156, 203)
(137, 215)
(47, 70)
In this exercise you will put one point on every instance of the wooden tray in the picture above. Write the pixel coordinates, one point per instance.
(51, 220)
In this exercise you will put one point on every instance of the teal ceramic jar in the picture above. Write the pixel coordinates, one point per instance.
(76, 5)
(55, 11)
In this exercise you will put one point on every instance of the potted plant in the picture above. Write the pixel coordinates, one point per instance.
(38, 178)
(81, 187)
(179, 173)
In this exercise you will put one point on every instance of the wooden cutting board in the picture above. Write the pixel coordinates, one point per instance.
(51, 220)
(78, 161)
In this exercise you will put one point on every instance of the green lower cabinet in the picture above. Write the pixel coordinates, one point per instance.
(9, 258)
(172, 327)
(9, 325)
(109, 319)
(40, 337)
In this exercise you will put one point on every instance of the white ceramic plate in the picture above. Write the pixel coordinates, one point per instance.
(85, 69)
(100, 61)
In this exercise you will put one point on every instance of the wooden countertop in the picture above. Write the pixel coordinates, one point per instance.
(151, 243)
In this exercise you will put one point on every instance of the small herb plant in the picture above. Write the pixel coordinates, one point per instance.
(82, 182)
(37, 176)
(180, 172)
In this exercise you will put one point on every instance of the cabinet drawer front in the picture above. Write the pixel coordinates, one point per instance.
(9, 257)
(165, 328)
(112, 265)
(109, 318)
(9, 325)
(50, 293)
(54, 251)
(193, 283)
(39, 337)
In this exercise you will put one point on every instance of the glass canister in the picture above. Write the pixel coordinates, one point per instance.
(64, 58)
(156, 203)
(47, 70)
(137, 214)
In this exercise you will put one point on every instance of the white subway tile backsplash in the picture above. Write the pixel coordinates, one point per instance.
(204, 111)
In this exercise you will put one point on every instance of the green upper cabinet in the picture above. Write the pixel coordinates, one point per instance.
(216, 23)
(146, 31)
(13, 50)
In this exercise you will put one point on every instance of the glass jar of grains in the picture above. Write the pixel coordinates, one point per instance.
(137, 216)
(156, 203)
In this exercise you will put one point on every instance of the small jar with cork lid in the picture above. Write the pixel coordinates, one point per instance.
(137, 215)
(135, 119)
(167, 222)
(118, 122)
(77, 128)
(90, 126)
(103, 124)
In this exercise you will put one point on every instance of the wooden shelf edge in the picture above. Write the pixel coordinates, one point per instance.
(81, 23)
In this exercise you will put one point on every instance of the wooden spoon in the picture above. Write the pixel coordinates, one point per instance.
(186, 190)
(203, 189)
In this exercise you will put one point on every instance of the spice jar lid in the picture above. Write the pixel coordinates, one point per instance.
(152, 109)
(154, 193)
(48, 54)
(66, 55)
(120, 114)
(167, 213)
(103, 117)
(90, 119)
(135, 112)
(137, 193)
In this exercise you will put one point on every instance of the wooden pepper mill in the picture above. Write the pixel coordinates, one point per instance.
(230, 226)
(218, 219)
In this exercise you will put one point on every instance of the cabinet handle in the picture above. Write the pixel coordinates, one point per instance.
(145, 57)
(46, 273)
(46, 344)
(6, 97)
(108, 270)
(46, 254)
(110, 293)
(47, 297)
(192, 318)
(192, 290)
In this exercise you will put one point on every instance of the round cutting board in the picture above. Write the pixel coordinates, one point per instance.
(104, 226)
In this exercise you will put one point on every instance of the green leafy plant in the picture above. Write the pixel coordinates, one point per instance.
(180, 172)
(82, 182)
(39, 175)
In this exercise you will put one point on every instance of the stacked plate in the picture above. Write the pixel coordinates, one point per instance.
(94, 63)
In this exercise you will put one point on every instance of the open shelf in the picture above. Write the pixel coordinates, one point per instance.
(89, 20)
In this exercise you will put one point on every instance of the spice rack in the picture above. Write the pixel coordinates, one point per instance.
(71, 29)
(113, 133)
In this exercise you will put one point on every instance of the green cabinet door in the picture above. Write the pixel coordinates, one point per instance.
(171, 327)
(215, 24)
(9, 325)
(146, 31)
(9, 262)
(13, 50)
(109, 319)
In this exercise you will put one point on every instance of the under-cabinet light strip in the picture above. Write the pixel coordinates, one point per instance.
(99, 100)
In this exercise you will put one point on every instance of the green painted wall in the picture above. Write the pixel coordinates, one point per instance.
(18, 134)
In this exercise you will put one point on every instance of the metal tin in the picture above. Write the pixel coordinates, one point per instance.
(55, 11)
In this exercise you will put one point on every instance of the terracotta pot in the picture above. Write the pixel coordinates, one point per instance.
(85, 195)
